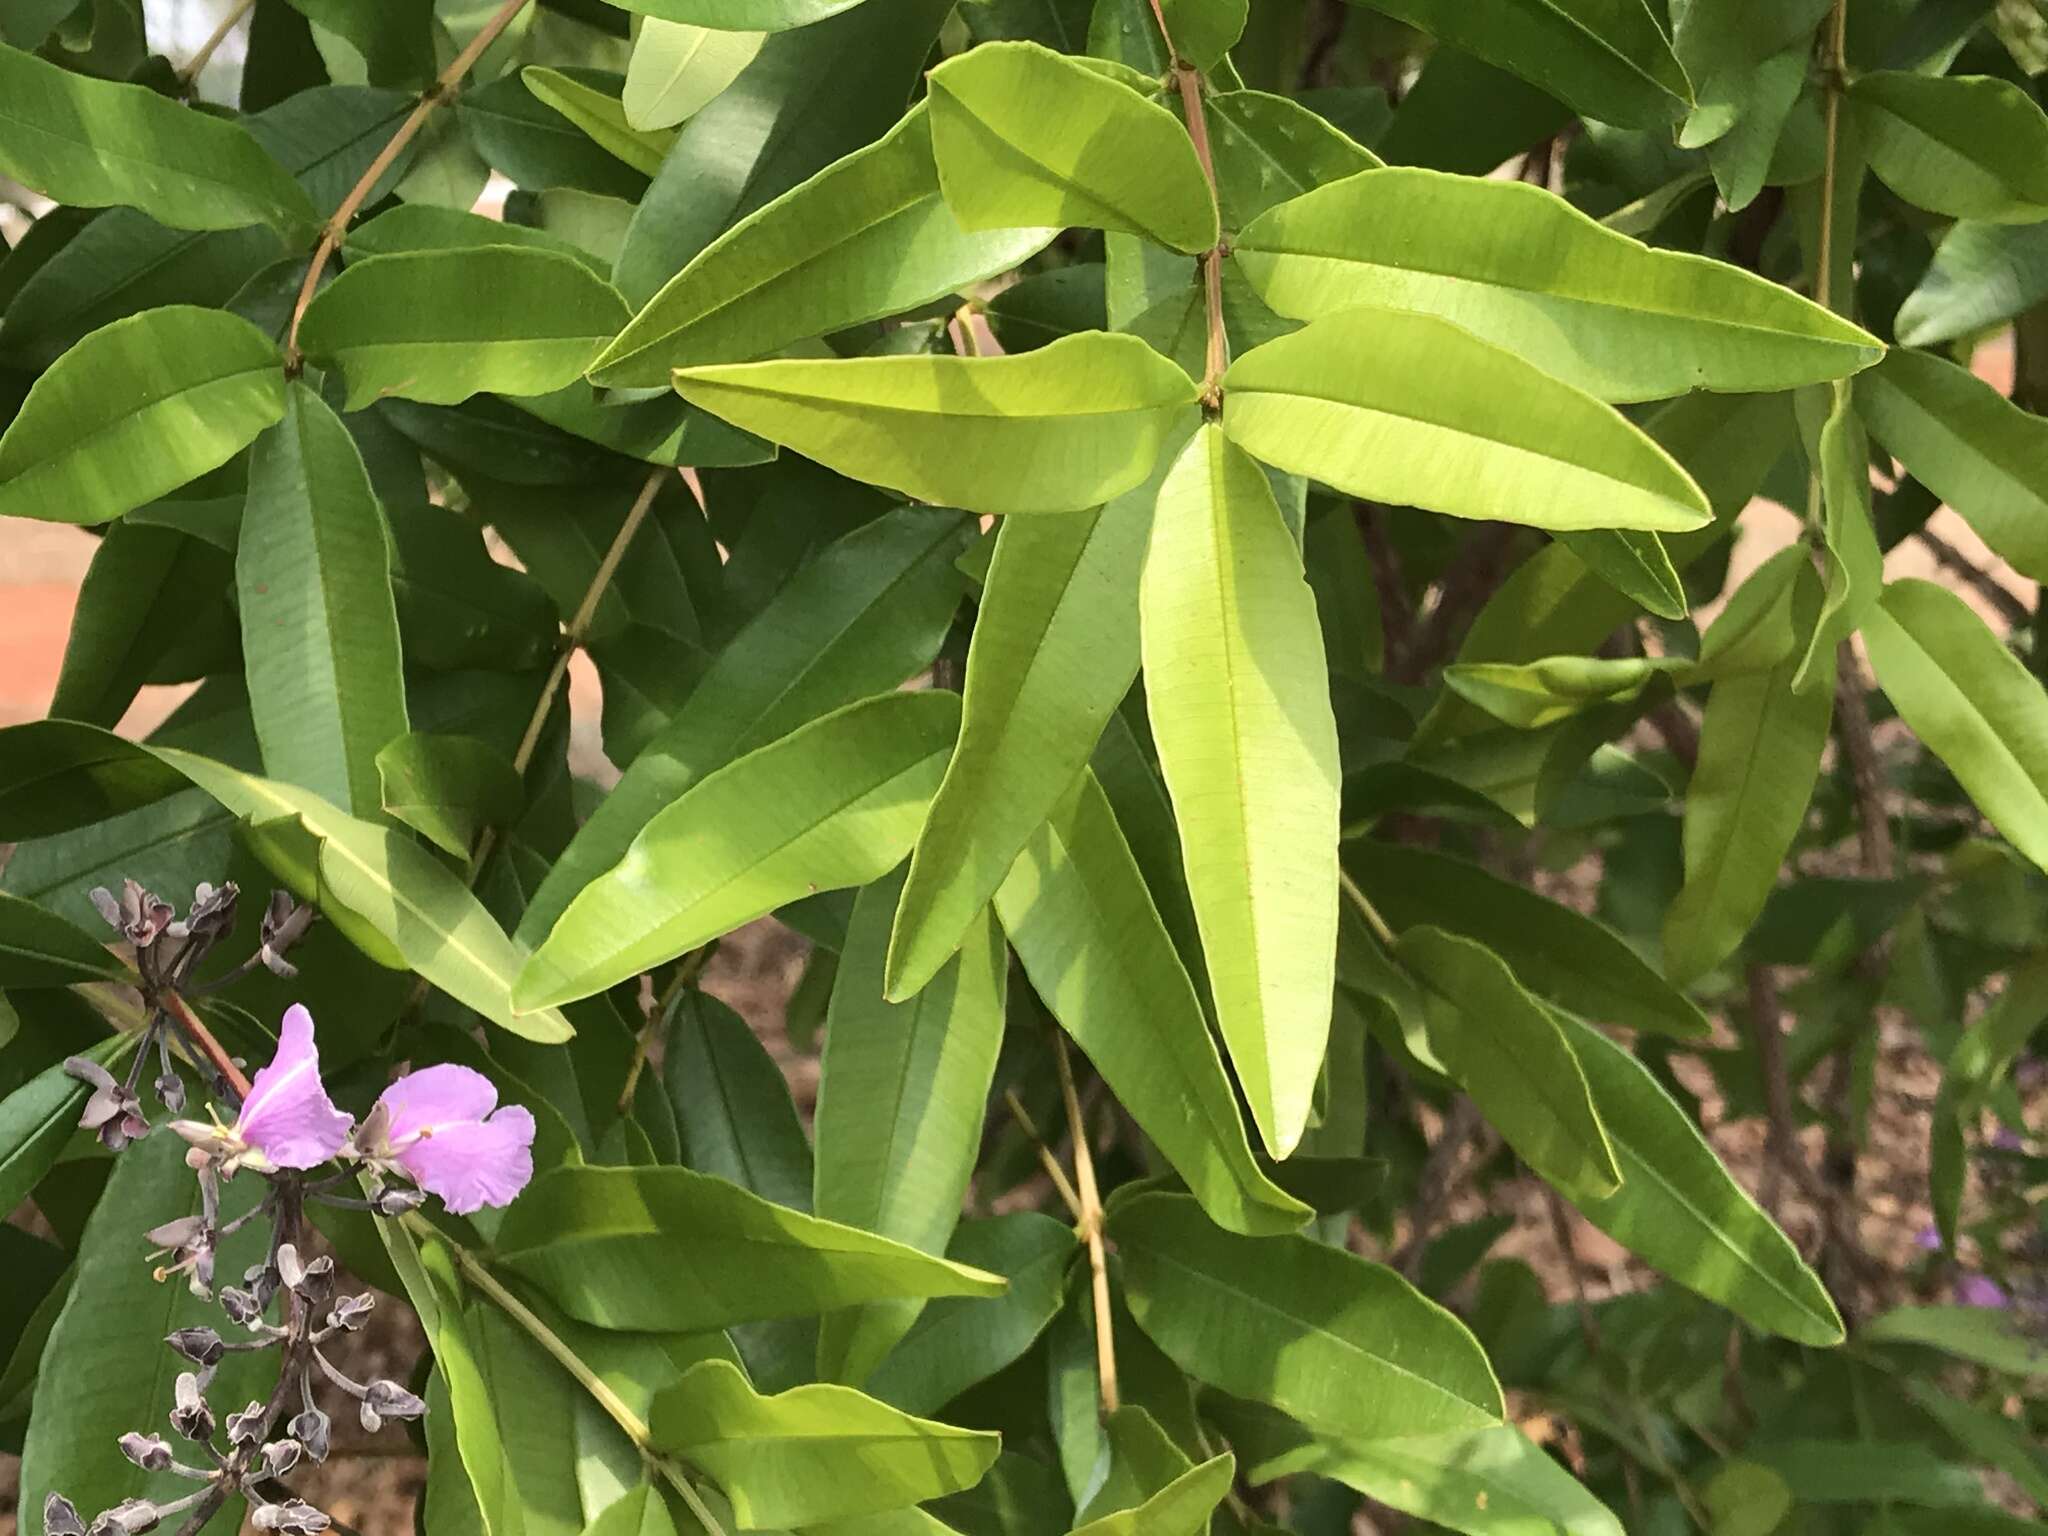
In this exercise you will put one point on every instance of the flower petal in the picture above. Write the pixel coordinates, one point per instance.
(288, 1116)
(434, 1097)
(476, 1163)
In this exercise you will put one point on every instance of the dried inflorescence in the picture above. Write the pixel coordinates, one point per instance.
(436, 1132)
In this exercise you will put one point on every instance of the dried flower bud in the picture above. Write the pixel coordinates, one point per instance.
(349, 1312)
(60, 1515)
(241, 1306)
(284, 923)
(247, 1427)
(152, 1453)
(202, 1346)
(397, 1199)
(314, 1281)
(294, 1517)
(130, 1517)
(278, 1458)
(170, 1092)
(138, 915)
(213, 910)
(314, 1431)
(112, 1111)
(191, 1418)
(392, 1401)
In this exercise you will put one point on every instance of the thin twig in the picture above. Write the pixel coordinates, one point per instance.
(1439, 1181)
(1090, 1199)
(1981, 581)
(1366, 909)
(1781, 1150)
(189, 75)
(1046, 1160)
(1189, 81)
(687, 972)
(444, 89)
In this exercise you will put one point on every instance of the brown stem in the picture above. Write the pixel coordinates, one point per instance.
(189, 75)
(1979, 580)
(1091, 1228)
(1438, 1183)
(1781, 1150)
(203, 1039)
(444, 89)
(1473, 577)
(1189, 81)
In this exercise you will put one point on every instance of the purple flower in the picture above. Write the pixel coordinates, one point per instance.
(443, 1129)
(1980, 1291)
(1927, 1240)
(287, 1121)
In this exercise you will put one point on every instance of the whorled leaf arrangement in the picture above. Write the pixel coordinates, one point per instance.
(1179, 528)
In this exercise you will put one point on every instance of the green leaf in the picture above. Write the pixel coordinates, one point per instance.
(1976, 450)
(639, 1513)
(1027, 136)
(1760, 751)
(1060, 429)
(742, 15)
(1635, 564)
(1237, 691)
(1054, 651)
(814, 1452)
(1181, 1508)
(678, 68)
(732, 1103)
(1868, 1471)
(902, 1094)
(440, 326)
(382, 886)
(1408, 408)
(601, 116)
(41, 949)
(958, 1342)
(1972, 147)
(448, 788)
(1203, 31)
(1680, 1210)
(1982, 276)
(835, 803)
(1078, 913)
(1506, 1050)
(1608, 58)
(106, 1365)
(523, 138)
(1521, 268)
(95, 144)
(1575, 961)
(1488, 1482)
(1270, 148)
(1345, 1346)
(37, 1119)
(1981, 1335)
(1854, 564)
(1532, 695)
(1973, 703)
(865, 238)
(868, 611)
(319, 624)
(672, 1250)
(136, 409)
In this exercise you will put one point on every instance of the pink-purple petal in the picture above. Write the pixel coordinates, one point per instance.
(287, 1116)
(433, 1097)
(475, 1163)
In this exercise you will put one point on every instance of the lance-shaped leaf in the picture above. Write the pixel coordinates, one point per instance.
(1973, 703)
(1271, 148)
(1976, 450)
(1343, 1345)
(91, 143)
(1853, 563)
(868, 236)
(1027, 136)
(1607, 58)
(1969, 146)
(1520, 267)
(742, 15)
(672, 1250)
(1681, 1211)
(732, 1103)
(901, 1098)
(1634, 563)
(835, 803)
(1760, 749)
(1408, 408)
(866, 613)
(447, 788)
(1238, 693)
(440, 326)
(319, 623)
(960, 1341)
(379, 886)
(678, 68)
(1574, 960)
(1982, 276)
(41, 949)
(813, 1453)
(1505, 1049)
(1078, 913)
(600, 114)
(136, 409)
(1054, 650)
(1486, 1482)
(39, 1117)
(1056, 430)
